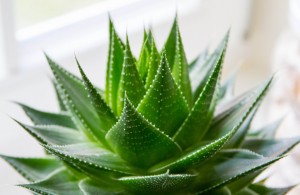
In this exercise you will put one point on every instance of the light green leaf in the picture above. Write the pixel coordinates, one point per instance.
(76, 100)
(61, 182)
(263, 190)
(52, 134)
(33, 169)
(131, 82)
(198, 62)
(114, 67)
(271, 147)
(162, 184)
(153, 64)
(180, 70)
(46, 118)
(90, 155)
(229, 166)
(106, 116)
(199, 119)
(203, 73)
(195, 156)
(227, 89)
(164, 105)
(90, 187)
(139, 142)
(170, 45)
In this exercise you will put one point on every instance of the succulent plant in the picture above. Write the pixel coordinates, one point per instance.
(161, 126)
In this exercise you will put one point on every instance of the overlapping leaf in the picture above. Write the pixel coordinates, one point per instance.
(138, 141)
(164, 105)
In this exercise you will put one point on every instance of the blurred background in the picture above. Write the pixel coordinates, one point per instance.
(265, 38)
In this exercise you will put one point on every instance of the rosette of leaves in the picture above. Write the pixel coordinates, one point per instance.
(161, 126)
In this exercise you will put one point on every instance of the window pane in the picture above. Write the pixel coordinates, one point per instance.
(30, 12)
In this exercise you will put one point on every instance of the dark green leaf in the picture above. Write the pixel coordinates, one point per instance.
(131, 82)
(51, 134)
(229, 166)
(90, 155)
(271, 147)
(33, 169)
(139, 142)
(46, 118)
(263, 190)
(90, 187)
(114, 67)
(203, 73)
(61, 182)
(106, 116)
(161, 184)
(199, 119)
(76, 100)
(164, 105)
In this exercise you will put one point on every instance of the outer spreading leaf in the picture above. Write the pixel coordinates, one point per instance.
(114, 67)
(51, 134)
(198, 121)
(198, 154)
(78, 104)
(139, 142)
(61, 182)
(33, 169)
(131, 82)
(263, 190)
(153, 184)
(106, 117)
(59, 96)
(271, 147)
(180, 70)
(164, 105)
(229, 166)
(90, 155)
(90, 187)
(203, 73)
(46, 118)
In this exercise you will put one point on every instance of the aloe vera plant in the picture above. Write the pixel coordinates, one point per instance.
(161, 126)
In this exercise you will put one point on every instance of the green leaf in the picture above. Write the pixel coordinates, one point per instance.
(139, 142)
(222, 191)
(195, 156)
(78, 103)
(263, 190)
(271, 147)
(90, 187)
(114, 67)
(153, 64)
(90, 155)
(142, 63)
(229, 166)
(52, 134)
(268, 131)
(164, 105)
(227, 89)
(131, 82)
(46, 118)
(33, 169)
(161, 184)
(198, 62)
(170, 45)
(106, 116)
(61, 182)
(203, 73)
(59, 96)
(199, 119)
(180, 70)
